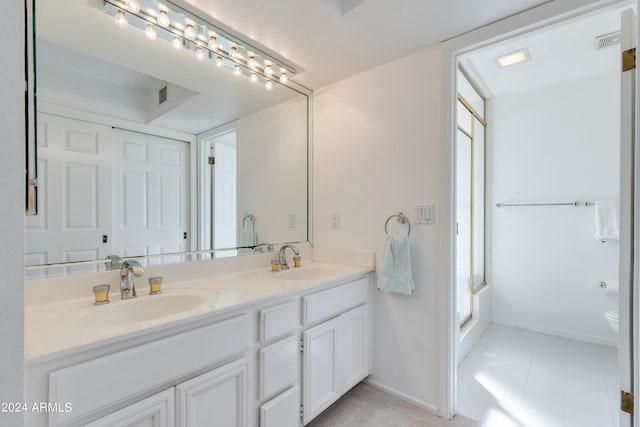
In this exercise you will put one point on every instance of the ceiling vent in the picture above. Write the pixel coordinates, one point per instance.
(607, 40)
(162, 95)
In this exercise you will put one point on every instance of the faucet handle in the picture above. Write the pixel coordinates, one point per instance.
(101, 294)
(155, 283)
(297, 261)
(275, 265)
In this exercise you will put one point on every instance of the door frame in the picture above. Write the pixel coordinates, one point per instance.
(202, 199)
(547, 14)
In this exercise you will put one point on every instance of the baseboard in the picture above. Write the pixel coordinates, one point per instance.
(402, 396)
(558, 332)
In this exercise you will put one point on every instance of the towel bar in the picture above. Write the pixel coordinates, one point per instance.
(500, 205)
(401, 219)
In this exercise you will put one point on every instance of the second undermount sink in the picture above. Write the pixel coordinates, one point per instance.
(143, 308)
(302, 273)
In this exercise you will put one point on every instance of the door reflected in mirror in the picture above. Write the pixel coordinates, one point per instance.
(144, 149)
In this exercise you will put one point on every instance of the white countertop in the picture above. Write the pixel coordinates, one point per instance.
(63, 327)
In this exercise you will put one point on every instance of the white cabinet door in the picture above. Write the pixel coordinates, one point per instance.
(217, 398)
(355, 346)
(321, 367)
(154, 411)
(282, 411)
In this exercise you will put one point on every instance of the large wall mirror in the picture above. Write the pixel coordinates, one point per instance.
(145, 147)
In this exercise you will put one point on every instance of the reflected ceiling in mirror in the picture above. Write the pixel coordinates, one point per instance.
(145, 149)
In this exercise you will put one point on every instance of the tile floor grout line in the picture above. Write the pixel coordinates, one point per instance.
(606, 384)
(533, 355)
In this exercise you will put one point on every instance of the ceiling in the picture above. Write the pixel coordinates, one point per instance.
(335, 39)
(561, 52)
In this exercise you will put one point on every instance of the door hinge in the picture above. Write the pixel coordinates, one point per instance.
(626, 402)
(212, 160)
(301, 346)
(184, 235)
(629, 60)
(301, 411)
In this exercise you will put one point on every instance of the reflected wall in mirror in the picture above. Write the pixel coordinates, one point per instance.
(145, 149)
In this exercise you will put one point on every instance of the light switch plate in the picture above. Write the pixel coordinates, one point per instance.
(425, 214)
(335, 221)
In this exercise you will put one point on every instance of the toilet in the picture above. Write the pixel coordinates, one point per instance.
(612, 318)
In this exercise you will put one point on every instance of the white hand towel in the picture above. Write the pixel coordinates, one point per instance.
(607, 221)
(248, 237)
(395, 266)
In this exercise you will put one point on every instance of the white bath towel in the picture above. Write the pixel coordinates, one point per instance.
(394, 274)
(607, 221)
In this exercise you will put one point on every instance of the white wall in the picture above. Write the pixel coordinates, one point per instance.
(550, 144)
(272, 170)
(12, 193)
(376, 152)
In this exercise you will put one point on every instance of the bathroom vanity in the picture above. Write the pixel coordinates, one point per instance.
(250, 348)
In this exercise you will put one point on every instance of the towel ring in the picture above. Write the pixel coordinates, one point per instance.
(401, 219)
(251, 218)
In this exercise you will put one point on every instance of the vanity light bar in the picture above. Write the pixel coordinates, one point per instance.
(206, 41)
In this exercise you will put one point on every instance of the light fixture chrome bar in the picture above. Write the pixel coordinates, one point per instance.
(228, 51)
(231, 34)
(501, 205)
(181, 18)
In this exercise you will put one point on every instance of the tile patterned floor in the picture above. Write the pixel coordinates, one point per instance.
(519, 378)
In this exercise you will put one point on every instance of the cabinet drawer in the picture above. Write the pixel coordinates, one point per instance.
(279, 320)
(279, 367)
(325, 304)
(282, 411)
(111, 379)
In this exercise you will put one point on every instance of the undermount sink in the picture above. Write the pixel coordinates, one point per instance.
(142, 308)
(304, 273)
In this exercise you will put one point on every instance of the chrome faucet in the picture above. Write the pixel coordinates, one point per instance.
(283, 258)
(128, 271)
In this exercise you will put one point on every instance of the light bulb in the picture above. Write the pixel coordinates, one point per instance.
(254, 77)
(189, 32)
(219, 61)
(150, 32)
(121, 19)
(252, 63)
(283, 77)
(237, 70)
(268, 85)
(268, 70)
(234, 52)
(213, 43)
(177, 43)
(200, 53)
(133, 6)
(163, 19)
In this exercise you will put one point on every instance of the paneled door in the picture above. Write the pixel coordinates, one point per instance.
(151, 212)
(224, 196)
(74, 180)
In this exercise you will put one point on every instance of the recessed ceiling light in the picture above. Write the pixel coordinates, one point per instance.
(513, 58)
